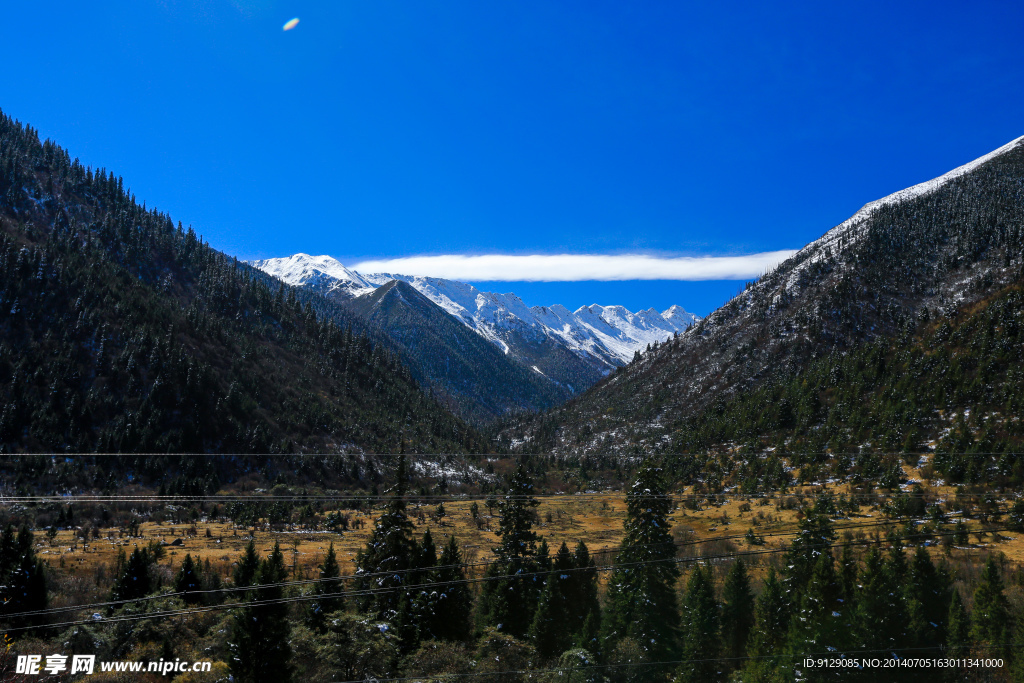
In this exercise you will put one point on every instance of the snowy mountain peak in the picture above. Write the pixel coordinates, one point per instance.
(679, 315)
(321, 273)
(604, 336)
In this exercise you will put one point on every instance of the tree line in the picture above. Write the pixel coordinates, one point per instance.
(410, 609)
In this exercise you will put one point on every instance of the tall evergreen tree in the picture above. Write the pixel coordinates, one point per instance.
(509, 597)
(848, 570)
(427, 558)
(737, 611)
(188, 581)
(23, 576)
(552, 624)
(700, 629)
(391, 553)
(259, 633)
(958, 636)
(244, 572)
(771, 623)
(450, 614)
(136, 581)
(584, 607)
(878, 606)
(543, 560)
(990, 614)
(328, 588)
(642, 600)
(928, 596)
(1017, 660)
(895, 583)
(816, 534)
(822, 623)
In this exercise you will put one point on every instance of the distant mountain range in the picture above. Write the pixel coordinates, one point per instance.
(931, 252)
(566, 350)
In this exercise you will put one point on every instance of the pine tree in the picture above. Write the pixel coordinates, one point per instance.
(822, 624)
(958, 636)
(188, 582)
(259, 634)
(876, 628)
(391, 554)
(427, 559)
(771, 621)
(700, 629)
(329, 589)
(136, 581)
(816, 534)
(737, 611)
(509, 597)
(848, 571)
(1017, 665)
(641, 594)
(991, 614)
(445, 609)
(895, 573)
(23, 576)
(552, 627)
(583, 605)
(928, 596)
(245, 571)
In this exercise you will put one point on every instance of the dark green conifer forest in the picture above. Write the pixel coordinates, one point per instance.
(122, 332)
(158, 380)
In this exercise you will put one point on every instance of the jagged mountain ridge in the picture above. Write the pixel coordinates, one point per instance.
(461, 368)
(932, 249)
(604, 337)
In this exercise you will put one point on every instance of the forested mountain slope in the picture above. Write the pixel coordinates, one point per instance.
(120, 331)
(946, 399)
(924, 253)
(464, 370)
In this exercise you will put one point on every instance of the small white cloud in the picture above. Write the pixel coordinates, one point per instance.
(575, 267)
(290, 24)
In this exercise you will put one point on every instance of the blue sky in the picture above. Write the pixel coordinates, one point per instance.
(380, 130)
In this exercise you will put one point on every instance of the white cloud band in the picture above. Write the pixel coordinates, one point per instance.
(574, 267)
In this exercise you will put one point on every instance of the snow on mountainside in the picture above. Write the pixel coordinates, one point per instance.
(854, 228)
(612, 332)
(323, 274)
(921, 254)
(605, 336)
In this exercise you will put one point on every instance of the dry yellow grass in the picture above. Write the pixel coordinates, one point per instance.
(595, 519)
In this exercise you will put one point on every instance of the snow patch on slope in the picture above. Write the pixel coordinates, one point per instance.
(322, 273)
(853, 228)
(610, 334)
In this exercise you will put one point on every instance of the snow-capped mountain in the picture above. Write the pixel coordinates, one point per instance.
(901, 265)
(604, 337)
(322, 274)
(465, 371)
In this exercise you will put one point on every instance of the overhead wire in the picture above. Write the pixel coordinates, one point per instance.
(465, 565)
(379, 591)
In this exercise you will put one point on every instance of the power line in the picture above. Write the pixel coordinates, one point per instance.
(514, 456)
(382, 591)
(465, 565)
(455, 498)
